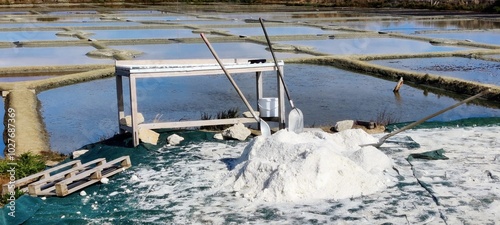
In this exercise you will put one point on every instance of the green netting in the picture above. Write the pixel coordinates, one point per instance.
(470, 122)
(75, 209)
(430, 155)
(23, 209)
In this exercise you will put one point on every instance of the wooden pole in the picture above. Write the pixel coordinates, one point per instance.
(398, 85)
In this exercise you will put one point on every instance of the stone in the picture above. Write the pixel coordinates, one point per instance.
(238, 132)
(174, 139)
(148, 136)
(78, 153)
(104, 180)
(343, 125)
(248, 114)
(51, 163)
(128, 120)
(218, 136)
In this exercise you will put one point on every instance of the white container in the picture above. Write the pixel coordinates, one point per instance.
(268, 107)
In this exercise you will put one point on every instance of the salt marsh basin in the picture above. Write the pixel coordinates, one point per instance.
(178, 184)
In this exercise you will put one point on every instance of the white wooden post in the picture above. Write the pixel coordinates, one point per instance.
(119, 100)
(133, 109)
(281, 99)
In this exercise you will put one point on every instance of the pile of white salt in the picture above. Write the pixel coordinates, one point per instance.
(290, 167)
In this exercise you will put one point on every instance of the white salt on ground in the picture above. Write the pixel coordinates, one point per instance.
(290, 167)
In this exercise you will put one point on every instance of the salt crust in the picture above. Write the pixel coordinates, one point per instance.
(290, 167)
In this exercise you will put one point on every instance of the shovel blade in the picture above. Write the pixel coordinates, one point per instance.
(265, 130)
(296, 121)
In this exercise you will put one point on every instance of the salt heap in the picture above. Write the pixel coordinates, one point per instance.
(290, 167)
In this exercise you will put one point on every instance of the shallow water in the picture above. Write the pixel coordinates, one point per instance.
(411, 26)
(200, 51)
(488, 37)
(2, 115)
(17, 79)
(464, 68)
(13, 36)
(162, 18)
(44, 56)
(337, 95)
(290, 30)
(372, 46)
(60, 25)
(142, 34)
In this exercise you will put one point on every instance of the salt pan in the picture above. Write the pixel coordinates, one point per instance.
(290, 167)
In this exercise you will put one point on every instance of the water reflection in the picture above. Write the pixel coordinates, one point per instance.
(16, 79)
(372, 46)
(295, 30)
(48, 56)
(200, 51)
(324, 94)
(463, 68)
(142, 34)
(412, 26)
(488, 37)
(13, 36)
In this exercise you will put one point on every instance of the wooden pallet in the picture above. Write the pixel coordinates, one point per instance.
(23, 183)
(47, 186)
(91, 176)
(69, 180)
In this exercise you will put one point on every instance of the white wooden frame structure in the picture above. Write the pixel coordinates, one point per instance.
(143, 69)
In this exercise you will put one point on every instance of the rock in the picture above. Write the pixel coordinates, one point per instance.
(174, 139)
(78, 153)
(83, 193)
(343, 125)
(248, 114)
(219, 136)
(51, 163)
(134, 178)
(238, 132)
(104, 180)
(148, 136)
(128, 120)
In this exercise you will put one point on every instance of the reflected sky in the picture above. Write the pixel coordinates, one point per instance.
(489, 37)
(16, 79)
(372, 46)
(48, 56)
(12, 36)
(2, 115)
(161, 18)
(200, 51)
(287, 30)
(315, 90)
(464, 68)
(72, 12)
(410, 26)
(142, 34)
(68, 24)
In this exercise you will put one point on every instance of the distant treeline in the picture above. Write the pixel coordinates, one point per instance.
(472, 5)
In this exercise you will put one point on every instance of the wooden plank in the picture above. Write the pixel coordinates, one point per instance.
(46, 186)
(133, 110)
(281, 99)
(119, 100)
(91, 176)
(177, 61)
(23, 182)
(196, 123)
(194, 73)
